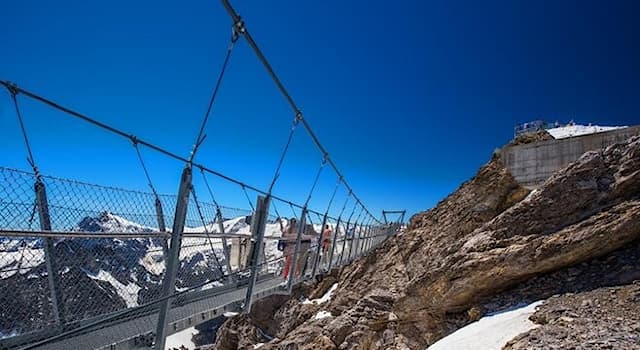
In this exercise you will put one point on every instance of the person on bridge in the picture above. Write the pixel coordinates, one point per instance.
(308, 235)
(289, 236)
(326, 243)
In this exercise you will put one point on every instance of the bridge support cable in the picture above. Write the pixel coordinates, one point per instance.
(201, 135)
(123, 134)
(237, 20)
(356, 227)
(302, 228)
(169, 280)
(158, 203)
(246, 195)
(278, 216)
(400, 219)
(347, 233)
(337, 230)
(371, 233)
(284, 152)
(139, 141)
(304, 253)
(296, 253)
(320, 243)
(13, 91)
(363, 247)
(293, 210)
(206, 232)
(42, 207)
(363, 236)
(220, 222)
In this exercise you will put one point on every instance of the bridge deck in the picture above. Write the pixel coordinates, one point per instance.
(125, 335)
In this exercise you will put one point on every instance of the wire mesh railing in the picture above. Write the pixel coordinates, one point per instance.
(108, 257)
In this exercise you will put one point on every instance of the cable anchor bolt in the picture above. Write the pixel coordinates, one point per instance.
(237, 29)
(13, 88)
(298, 118)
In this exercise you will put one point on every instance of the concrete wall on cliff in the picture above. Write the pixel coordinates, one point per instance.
(531, 164)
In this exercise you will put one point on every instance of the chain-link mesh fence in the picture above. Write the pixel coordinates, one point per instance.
(107, 254)
(108, 258)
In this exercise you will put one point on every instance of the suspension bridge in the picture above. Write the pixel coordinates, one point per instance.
(85, 266)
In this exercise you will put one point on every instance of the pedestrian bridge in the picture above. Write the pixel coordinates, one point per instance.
(88, 266)
(108, 262)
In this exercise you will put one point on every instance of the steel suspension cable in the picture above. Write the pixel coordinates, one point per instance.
(120, 133)
(200, 138)
(13, 90)
(293, 210)
(144, 167)
(353, 211)
(262, 58)
(333, 195)
(273, 203)
(206, 184)
(276, 175)
(344, 206)
(244, 189)
(206, 231)
(132, 137)
(315, 181)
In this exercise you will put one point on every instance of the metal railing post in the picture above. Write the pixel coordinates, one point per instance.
(363, 241)
(173, 261)
(318, 248)
(344, 243)
(293, 269)
(333, 244)
(369, 236)
(258, 225)
(49, 252)
(355, 227)
(225, 248)
(360, 239)
(161, 226)
(362, 232)
(370, 239)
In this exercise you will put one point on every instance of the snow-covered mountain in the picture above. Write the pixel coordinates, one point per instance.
(108, 222)
(100, 275)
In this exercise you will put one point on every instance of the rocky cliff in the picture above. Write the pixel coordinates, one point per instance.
(488, 246)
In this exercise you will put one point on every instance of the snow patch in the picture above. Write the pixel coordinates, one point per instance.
(577, 130)
(128, 292)
(326, 297)
(322, 314)
(182, 338)
(490, 332)
(21, 260)
(258, 346)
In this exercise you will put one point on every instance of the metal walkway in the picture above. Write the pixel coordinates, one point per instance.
(136, 333)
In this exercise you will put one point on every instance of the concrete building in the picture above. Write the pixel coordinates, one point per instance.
(531, 164)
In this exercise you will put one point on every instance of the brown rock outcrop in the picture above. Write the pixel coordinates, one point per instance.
(488, 236)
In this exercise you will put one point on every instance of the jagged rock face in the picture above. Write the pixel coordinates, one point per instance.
(537, 136)
(489, 235)
(588, 209)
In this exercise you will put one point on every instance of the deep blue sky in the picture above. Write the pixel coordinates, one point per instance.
(409, 97)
